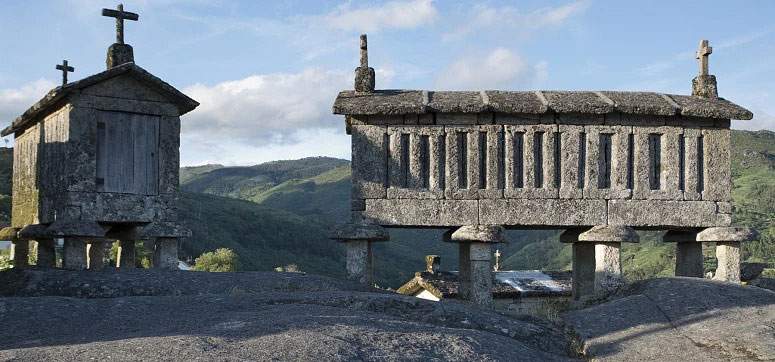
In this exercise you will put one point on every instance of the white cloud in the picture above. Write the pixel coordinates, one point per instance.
(14, 101)
(499, 69)
(394, 14)
(512, 21)
(266, 108)
(198, 149)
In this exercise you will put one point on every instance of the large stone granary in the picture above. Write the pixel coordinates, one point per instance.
(97, 160)
(597, 164)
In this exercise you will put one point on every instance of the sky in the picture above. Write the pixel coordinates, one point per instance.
(267, 72)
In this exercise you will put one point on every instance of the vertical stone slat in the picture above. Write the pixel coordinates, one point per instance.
(668, 164)
(395, 168)
(595, 162)
(437, 162)
(569, 152)
(474, 166)
(494, 176)
(716, 170)
(415, 176)
(691, 158)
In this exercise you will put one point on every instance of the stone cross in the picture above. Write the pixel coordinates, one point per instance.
(364, 52)
(702, 54)
(65, 68)
(497, 260)
(120, 15)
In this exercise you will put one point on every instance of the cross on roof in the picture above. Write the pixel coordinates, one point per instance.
(497, 260)
(65, 68)
(702, 54)
(120, 15)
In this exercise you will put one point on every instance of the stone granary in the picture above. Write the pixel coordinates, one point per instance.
(97, 160)
(597, 164)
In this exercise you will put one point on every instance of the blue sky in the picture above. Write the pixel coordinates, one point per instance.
(267, 72)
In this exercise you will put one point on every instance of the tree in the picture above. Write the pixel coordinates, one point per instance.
(220, 260)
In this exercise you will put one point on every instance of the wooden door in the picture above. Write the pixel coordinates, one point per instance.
(127, 153)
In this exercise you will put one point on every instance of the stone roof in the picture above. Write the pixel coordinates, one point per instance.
(507, 284)
(182, 101)
(399, 102)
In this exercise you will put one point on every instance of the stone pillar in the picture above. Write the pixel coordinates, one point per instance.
(126, 254)
(476, 274)
(608, 266)
(165, 254)
(74, 254)
(359, 261)
(728, 257)
(583, 274)
(20, 253)
(727, 241)
(597, 266)
(95, 252)
(357, 238)
(47, 255)
(688, 253)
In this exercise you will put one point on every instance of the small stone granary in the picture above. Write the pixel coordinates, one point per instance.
(514, 292)
(597, 164)
(97, 160)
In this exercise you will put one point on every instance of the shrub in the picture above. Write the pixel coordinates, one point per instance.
(220, 260)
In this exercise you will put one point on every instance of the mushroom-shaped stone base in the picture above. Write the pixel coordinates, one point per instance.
(727, 241)
(475, 261)
(357, 239)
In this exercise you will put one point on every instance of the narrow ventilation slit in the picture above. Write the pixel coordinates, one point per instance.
(462, 160)
(519, 160)
(442, 162)
(386, 147)
(538, 159)
(425, 172)
(582, 159)
(557, 160)
(482, 160)
(604, 161)
(700, 165)
(501, 161)
(404, 159)
(681, 163)
(630, 160)
(655, 161)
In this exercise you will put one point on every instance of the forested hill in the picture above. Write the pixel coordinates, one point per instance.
(278, 213)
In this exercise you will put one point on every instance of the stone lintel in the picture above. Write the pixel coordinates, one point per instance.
(727, 234)
(610, 234)
(77, 228)
(164, 230)
(35, 231)
(679, 236)
(478, 234)
(359, 232)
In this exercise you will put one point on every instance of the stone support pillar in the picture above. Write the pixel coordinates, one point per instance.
(126, 254)
(475, 272)
(74, 254)
(359, 261)
(95, 252)
(20, 253)
(47, 255)
(727, 241)
(688, 253)
(358, 238)
(597, 266)
(165, 254)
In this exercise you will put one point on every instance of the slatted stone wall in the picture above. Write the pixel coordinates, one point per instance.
(637, 171)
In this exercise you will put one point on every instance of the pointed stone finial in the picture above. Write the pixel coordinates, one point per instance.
(364, 75)
(704, 85)
(64, 68)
